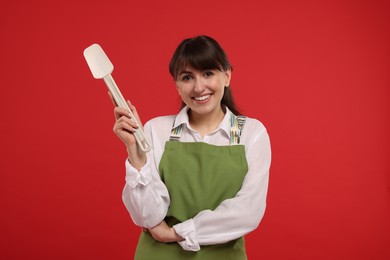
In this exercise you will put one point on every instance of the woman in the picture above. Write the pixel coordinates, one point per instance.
(203, 186)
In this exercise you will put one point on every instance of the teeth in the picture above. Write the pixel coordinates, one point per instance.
(202, 98)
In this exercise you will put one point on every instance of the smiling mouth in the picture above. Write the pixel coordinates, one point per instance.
(202, 98)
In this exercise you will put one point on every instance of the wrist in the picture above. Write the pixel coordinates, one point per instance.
(175, 236)
(136, 157)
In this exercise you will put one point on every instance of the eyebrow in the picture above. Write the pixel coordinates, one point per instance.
(191, 73)
(185, 72)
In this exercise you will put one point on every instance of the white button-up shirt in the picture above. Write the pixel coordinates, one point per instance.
(147, 198)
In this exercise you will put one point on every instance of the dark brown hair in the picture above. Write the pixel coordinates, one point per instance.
(202, 53)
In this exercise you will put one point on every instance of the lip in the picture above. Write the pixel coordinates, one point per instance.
(202, 101)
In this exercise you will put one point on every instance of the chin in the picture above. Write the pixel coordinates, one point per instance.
(202, 110)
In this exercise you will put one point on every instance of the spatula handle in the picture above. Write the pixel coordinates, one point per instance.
(139, 134)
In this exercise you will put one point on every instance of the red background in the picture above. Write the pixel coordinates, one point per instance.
(316, 73)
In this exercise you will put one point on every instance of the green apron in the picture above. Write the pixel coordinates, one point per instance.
(198, 176)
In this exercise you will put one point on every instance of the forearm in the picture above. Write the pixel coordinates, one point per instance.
(145, 196)
(165, 234)
(136, 157)
(232, 219)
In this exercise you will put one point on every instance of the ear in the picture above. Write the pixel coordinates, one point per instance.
(228, 76)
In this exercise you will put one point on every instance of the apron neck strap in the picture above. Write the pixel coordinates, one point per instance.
(176, 132)
(236, 126)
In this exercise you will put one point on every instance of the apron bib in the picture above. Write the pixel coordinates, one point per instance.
(198, 176)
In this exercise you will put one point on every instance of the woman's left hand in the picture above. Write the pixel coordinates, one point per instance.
(164, 233)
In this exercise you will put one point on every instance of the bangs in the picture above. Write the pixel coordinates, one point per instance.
(196, 61)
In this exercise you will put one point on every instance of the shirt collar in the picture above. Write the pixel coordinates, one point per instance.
(182, 118)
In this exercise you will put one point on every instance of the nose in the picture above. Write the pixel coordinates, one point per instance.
(199, 85)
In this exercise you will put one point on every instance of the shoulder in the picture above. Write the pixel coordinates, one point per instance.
(253, 130)
(253, 125)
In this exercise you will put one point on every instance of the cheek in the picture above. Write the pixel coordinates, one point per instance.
(181, 91)
(221, 84)
(221, 81)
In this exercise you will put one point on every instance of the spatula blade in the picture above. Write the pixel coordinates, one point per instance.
(98, 62)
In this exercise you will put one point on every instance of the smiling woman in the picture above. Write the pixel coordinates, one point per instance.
(204, 184)
(202, 92)
(203, 53)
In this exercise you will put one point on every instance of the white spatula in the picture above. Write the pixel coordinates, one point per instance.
(101, 68)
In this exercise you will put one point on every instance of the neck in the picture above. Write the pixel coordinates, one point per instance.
(206, 123)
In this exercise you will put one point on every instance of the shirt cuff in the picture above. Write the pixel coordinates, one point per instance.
(135, 177)
(187, 231)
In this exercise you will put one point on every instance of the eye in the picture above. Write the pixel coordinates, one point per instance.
(186, 77)
(208, 73)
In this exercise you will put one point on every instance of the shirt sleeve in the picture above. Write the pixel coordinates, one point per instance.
(145, 195)
(237, 216)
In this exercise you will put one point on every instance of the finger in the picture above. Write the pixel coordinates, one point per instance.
(120, 111)
(133, 110)
(127, 120)
(123, 126)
